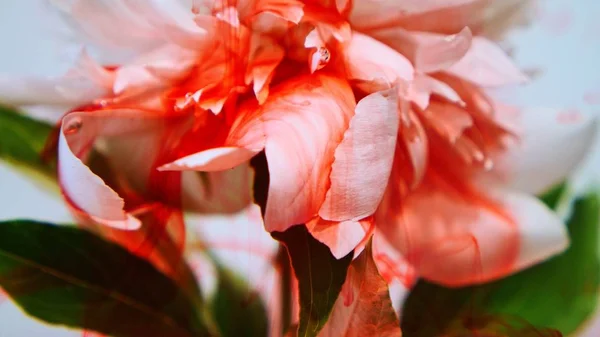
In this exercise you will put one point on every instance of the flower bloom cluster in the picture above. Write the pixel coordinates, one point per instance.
(374, 117)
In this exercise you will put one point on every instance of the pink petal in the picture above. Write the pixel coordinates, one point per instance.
(379, 73)
(299, 126)
(423, 86)
(363, 160)
(369, 14)
(410, 159)
(303, 123)
(85, 190)
(340, 237)
(265, 57)
(364, 306)
(428, 52)
(216, 159)
(132, 25)
(458, 239)
(487, 65)
(449, 120)
(290, 10)
(153, 69)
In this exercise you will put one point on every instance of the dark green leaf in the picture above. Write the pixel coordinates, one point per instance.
(64, 275)
(238, 311)
(552, 197)
(560, 293)
(22, 139)
(320, 277)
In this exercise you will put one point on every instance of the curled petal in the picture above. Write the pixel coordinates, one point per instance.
(85, 190)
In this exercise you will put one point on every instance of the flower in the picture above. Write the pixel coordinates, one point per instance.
(459, 207)
(370, 114)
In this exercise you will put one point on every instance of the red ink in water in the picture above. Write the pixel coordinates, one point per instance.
(557, 22)
(569, 116)
(592, 97)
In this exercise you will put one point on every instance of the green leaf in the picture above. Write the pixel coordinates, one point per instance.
(320, 277)
(23, 139)
(64, 275)
(560, 293)
(237, 310)
(552, 197)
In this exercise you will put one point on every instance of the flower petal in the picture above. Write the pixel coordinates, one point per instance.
(363, 160)
(340, 237)
(132, 25)
(299, 126)
(84, 82)
(552, 143)
(216, 159)
(423, 86)
(303, 124)
(85, 190)
(472, 238)
(428, 52)
(164, 64)
(369, 13)
(487, 65)
(410, 160)
(375, 74)
(424, 16)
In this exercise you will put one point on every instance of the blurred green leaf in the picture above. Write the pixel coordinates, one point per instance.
(238, 311)
(64, 275)
(23, 139)
(560, 293)
(552, 197)
(320, 277)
